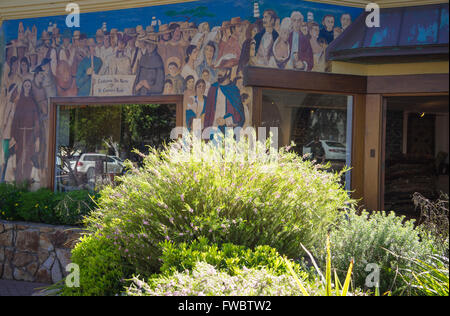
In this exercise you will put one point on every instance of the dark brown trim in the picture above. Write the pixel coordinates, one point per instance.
(163, 99)
(257, 107)
(408, 84)
(359, 130)
(301, 80)
(82, 101)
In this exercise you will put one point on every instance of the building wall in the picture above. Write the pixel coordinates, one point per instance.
(155, 50)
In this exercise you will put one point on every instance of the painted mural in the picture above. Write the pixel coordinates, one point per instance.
(196, 49)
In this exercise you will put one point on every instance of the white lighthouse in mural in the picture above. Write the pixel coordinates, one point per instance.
(256, 12)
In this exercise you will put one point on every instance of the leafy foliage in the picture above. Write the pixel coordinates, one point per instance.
(429, 277)
(44, 206)
(227, 199)
(206, 280)
(74, 206)
(228, 258)
(38, 206)
(101, 269)
(375, 239)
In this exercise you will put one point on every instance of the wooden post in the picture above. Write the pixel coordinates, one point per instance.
(373, 142)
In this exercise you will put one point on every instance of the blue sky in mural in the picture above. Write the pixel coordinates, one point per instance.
(212, 11)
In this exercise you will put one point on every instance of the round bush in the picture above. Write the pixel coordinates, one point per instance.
(280, 201)
(101, 268)
(382, 239)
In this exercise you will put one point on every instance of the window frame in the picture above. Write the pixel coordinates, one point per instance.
(54, 103)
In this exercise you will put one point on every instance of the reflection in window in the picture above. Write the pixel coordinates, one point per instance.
(319, 125)
(92, 142)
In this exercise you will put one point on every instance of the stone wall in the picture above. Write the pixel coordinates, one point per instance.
(35, 252)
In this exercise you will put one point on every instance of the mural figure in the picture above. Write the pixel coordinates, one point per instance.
(88, 66)
(150, 74)
(40, 97)
(174, 75)
(302, 54)
(266, 38)
(196, 105)
(200, 57)
(191, 56)
(327, 31)
(12, 97)
(25, 132)
(223, 105)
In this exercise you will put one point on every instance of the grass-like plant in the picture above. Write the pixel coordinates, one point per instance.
(328, 288)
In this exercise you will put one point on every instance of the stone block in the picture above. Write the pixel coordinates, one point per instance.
(28, 240)
(56, 273)
(6, 238)
(7, 272)
(64, 257)
(45, 242)
(32, 269)
(43, 276)
(9, 254)
(59, 238)
(43, 255)
(48, 264)
(22, 259)
(2, 255)
(22, 275)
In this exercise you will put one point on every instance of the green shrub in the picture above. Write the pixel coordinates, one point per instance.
(74, 206)
(17, 203)
(228, 258)
(39, 206)
(101, 269)
(377, 239)
(227, 199)
(9, 196)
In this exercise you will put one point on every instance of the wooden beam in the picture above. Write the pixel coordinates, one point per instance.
(408, 84)
(301, 80)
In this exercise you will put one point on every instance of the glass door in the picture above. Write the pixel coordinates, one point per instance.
(320, 125)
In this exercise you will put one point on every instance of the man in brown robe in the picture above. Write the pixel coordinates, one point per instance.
(41, 100)
(25, 134)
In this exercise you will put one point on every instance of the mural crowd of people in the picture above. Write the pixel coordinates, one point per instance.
(203, 63)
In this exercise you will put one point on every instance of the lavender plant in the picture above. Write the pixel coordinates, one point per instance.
(280, 201)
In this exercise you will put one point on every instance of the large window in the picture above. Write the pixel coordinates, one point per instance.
(320, 125)
(92, 142)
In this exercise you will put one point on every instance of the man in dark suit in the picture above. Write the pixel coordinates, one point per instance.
(265, 39)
